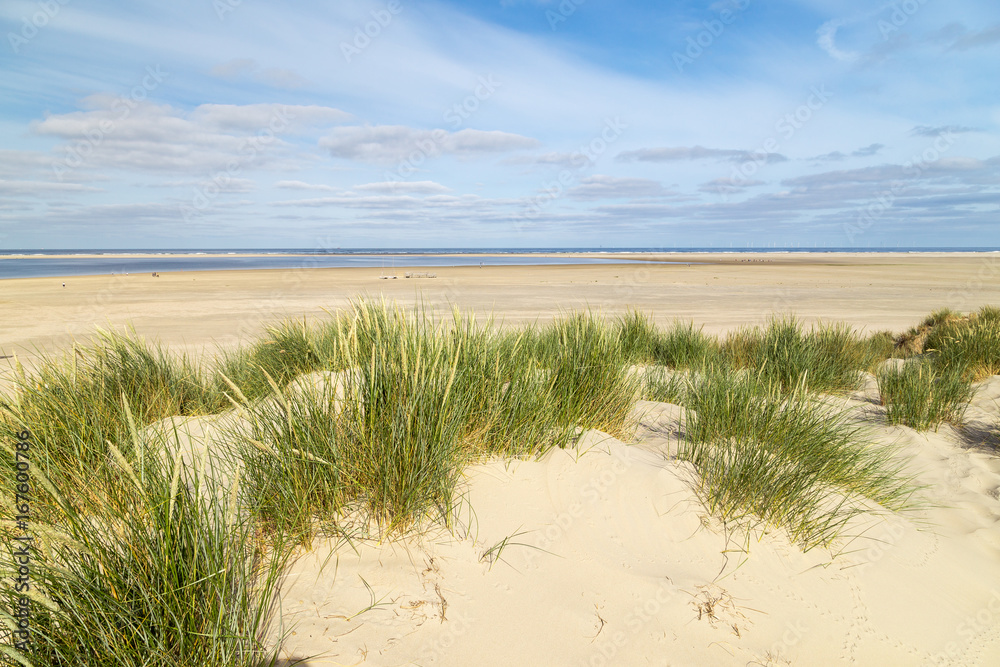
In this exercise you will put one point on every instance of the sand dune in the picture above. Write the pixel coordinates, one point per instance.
(610, 559)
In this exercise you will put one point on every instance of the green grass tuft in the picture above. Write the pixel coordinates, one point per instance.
(162, 572)
(783, 459)
(825, 359)
(922, 395)
(73, 405)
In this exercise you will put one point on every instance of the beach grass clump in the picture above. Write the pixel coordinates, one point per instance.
(74, 406)
(401, 423)
(881, 345)
(972, 344)
(638, 336)
(663, 385)
(391, 445)
(290, 454)
(925, 335)
(783, 459)
(417, 401)
(921, 394)
(680, 346)
(512, 411)
(285, 352)
(162, 572)
(954, 340)
(825, 359)
(589, 382)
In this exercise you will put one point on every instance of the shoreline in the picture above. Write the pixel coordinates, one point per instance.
(593, 260)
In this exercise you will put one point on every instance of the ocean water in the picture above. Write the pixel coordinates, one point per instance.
(56, 263)
(42, 264)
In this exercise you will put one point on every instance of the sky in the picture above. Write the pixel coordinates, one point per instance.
(499, 123)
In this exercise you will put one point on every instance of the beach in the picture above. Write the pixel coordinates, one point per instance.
(603, 552)
(194, 311)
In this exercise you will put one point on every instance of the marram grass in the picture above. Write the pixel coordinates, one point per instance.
(73, 405)
(784, 460)
(825, 359)
(922, 395)
(680, 346)
(161, 573)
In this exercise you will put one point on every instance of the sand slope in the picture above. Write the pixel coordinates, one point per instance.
(611, 561)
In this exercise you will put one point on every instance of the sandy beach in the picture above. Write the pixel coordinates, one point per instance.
(610, 558)
(194, 311)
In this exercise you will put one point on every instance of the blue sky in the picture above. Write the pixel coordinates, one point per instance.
(499, 123)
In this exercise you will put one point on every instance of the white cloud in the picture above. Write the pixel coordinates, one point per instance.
(728, 186)
(124, 134)
(672, 154)
(41, 188)
(938, 130)
(572, 160)
(609, 187)
(301, 185)
(837, 156)
(393, 143)
(416, 187)
(258, 117)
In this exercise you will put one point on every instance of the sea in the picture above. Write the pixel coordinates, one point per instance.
(33, 263)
